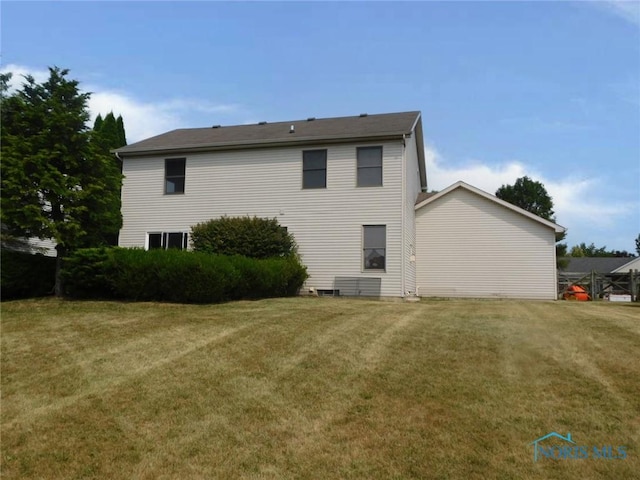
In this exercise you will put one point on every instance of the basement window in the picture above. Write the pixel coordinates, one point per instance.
(166, 240)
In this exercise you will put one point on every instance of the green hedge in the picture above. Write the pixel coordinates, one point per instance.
(178, 276)
(25, 275)
(251, 237)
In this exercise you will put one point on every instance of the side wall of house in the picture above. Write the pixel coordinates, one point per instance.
(412, 189)
(469, 246)
(327, 223)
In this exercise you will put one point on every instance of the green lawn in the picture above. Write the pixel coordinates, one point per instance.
(317, 388)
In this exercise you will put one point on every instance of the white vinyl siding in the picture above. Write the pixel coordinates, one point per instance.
(412, 189)
(469, 246)
(326, 222)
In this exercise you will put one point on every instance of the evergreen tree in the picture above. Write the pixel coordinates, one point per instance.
(122, 137)
(98, 123)
(108, 134)
(56, 182)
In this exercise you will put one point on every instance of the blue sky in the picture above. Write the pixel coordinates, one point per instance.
(545, 89)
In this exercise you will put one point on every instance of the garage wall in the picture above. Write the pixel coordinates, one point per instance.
(470, 246)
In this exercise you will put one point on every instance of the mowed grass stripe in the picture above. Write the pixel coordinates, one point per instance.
(314, 388)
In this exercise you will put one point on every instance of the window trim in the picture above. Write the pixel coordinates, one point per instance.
(364, 249)
(167, 177)
(359, 168)
(314, 169)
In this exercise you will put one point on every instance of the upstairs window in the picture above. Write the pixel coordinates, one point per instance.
(374, 242)
(314, 169)
(369, 166)
(166, 240)
(174, 169)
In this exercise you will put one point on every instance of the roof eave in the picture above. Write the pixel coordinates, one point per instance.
(123, 152)
(420, 146)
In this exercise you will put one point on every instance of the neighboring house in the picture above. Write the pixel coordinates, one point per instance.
(473, 244)
(632, 264)
(346, 188)
(600, 264)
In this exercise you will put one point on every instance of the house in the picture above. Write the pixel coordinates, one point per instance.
(473, 244)
(631, 265)
(346, 188)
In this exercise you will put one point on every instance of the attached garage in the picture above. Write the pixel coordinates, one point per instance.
(472, 244)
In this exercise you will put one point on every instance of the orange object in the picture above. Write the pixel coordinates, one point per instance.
(576, 292)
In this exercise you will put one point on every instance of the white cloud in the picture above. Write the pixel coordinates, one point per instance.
(141, 119)
(583, 205)
(146, 119)
(19, 72)
(628, 10)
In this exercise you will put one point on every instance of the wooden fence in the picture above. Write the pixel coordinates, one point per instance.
(601, 285)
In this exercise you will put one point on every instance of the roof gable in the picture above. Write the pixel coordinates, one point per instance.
(430, 198)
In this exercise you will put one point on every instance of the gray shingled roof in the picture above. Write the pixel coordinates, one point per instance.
(388, 125)
(422, 196)
(599, 264)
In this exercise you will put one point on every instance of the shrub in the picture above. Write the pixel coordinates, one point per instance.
(86, 273)
(179, 276)
(26, 275)
(251, 237)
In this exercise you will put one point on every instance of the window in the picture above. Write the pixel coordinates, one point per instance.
(374, 241)
(166, 240)
(369, 166)
(174, 175)
(314, 169)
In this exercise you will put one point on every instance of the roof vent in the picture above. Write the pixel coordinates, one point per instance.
(311, 119)
(216, 126)
(262, 123)
(292, 129)
(364, 114)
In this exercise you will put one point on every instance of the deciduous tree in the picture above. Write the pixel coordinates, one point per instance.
(584, 250)
(529, 195)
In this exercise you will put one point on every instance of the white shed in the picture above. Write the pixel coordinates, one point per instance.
(470, 243)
